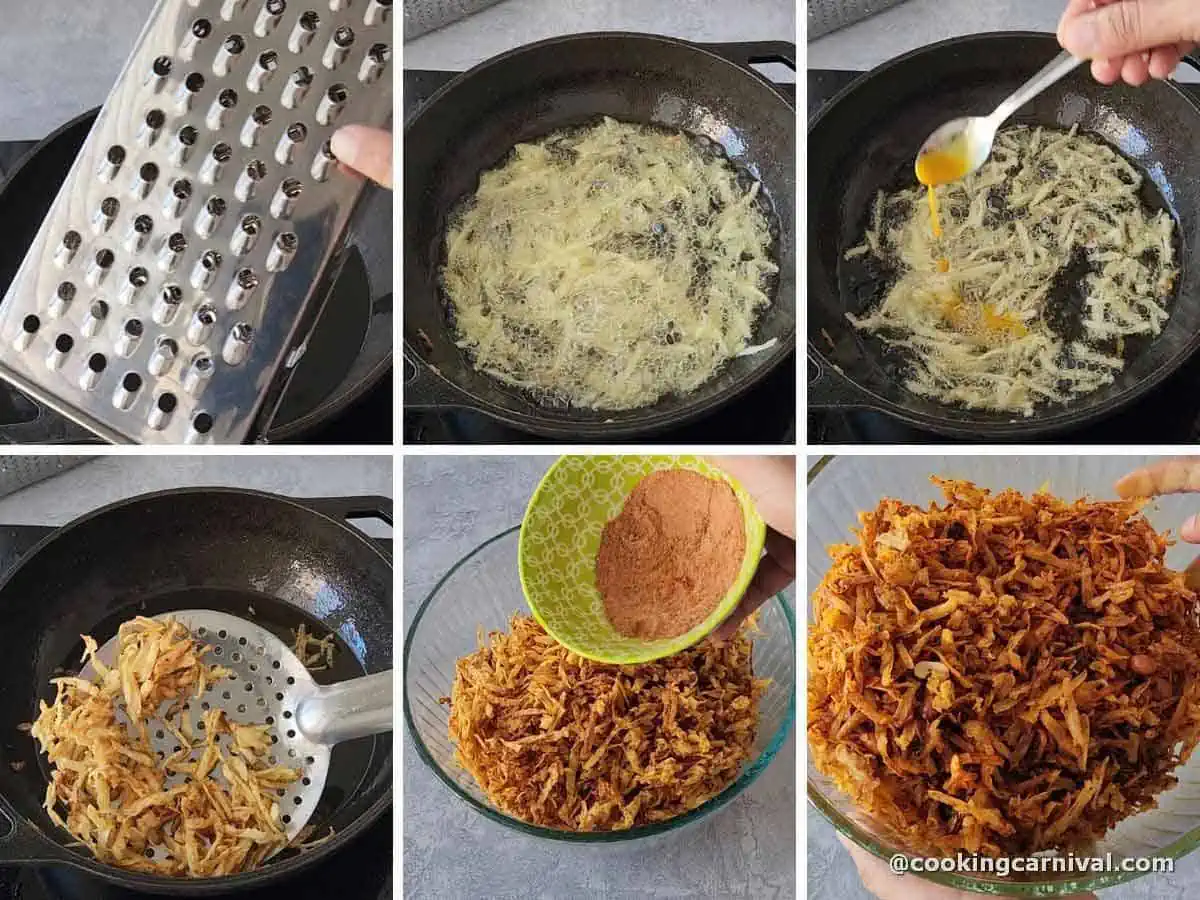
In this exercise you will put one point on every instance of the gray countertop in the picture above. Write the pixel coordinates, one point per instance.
(512, 23)
(106, 479)
(863, 46)
(747, 849)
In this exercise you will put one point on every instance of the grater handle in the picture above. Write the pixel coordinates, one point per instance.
(353, 709)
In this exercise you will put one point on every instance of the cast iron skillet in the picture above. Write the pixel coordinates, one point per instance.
(293, 561)
(866, 139)
(473, 122)
(351, 346)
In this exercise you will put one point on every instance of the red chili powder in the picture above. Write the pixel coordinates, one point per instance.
(671, 554)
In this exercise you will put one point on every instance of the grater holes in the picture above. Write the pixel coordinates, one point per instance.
(215, 207)
(155, 119)
(143, 224)
(261, 115)
(287, 713)
(275, 7)
(109, 207)
(115, 155)
(309, 21)
(138, 277)
(30, 324)
(99, 310)
(249, 688)
(234, 44)
(188, 135)
(228, 98)
(286, 819)
(134, 328)
(297, 132)
(181, 189)
(194, 83)
(132, 382)
(63, 343)
(297, 800)
(72, 240)
(177, 242)
(105, 258)
(337, 93)
(201, 29)
(379, 54)
(343, 36)
(97, 363)
(161, 66)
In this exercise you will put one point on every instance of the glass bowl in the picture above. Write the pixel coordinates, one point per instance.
(479, 594)
(842, 487)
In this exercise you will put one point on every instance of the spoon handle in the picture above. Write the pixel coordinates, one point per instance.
(1058, 68)
(351, 709)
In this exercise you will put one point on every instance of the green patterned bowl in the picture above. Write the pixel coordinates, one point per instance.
(560, 536)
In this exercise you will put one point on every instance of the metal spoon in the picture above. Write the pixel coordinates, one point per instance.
(975, 134)
(270, 684)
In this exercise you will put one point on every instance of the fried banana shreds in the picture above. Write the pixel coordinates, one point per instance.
(316, 654)
(121, 800)
(1002, 674)
(565, 742)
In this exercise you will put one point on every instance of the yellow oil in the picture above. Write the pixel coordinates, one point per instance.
(941, 165)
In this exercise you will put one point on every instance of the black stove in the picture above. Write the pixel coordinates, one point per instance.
(766, 414)
(361, 871)
(1168, 415)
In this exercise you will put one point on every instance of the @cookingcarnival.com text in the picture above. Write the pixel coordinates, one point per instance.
(1004, 866)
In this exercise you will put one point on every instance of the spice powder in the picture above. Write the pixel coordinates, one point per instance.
(671, 554)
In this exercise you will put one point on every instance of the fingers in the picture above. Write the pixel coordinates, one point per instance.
(367, 151)
(1168, 476)
(1190, 532)
(1136, 69)
(1116, 30)
(771, 481)
(775, 572)
(1164, 60)
(1106, 71)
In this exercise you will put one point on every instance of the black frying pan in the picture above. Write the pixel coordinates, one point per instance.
(349, 353)
(866, 139)
(474, 121)
(292, 561)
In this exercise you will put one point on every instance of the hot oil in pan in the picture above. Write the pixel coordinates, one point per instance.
(866, 280)
(350, 761)
(708, 148)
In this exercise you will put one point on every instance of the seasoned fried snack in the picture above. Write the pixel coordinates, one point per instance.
(565, 742)
(122, 801)
(1002, 674)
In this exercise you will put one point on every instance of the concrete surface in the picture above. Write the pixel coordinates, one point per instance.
(103, 480)
(747, 849)
(514, 22)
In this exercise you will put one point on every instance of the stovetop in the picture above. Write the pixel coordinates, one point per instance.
(360, 871)
(1169, 415)
(368, 420)
(765, 414)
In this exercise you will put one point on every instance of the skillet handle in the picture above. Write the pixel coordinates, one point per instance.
(747, 53)
(1192, 60)
(425, 388)
(830, 389)
(25, 845)
(47, 428)
(347, 508)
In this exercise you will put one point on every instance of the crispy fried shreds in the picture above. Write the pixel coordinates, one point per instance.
(1002, 674)
(315, 653)
(208, 809)
(565, 742)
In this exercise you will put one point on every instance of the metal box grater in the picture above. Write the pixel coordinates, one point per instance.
(168, 294)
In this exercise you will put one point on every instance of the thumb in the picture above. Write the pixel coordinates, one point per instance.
(1190, 531)
(365, 150)
(1129, 26)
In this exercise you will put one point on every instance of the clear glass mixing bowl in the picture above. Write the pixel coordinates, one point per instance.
(842, 487)
(480, 593)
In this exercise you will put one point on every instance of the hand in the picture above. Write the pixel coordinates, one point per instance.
(1134, 40)
(1170, 476)
(880, 880)
(367, 151)
(771, 481)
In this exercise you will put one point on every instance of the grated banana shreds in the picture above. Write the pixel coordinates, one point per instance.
(608, 266)
(316, 654)
(1000, 674)
(564, 742)
(124, 803)
(972, 309)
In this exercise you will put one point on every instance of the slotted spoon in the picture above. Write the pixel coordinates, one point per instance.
(270, 685)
